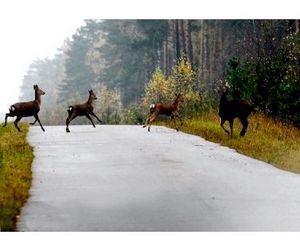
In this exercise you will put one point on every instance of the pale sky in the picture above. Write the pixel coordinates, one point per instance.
(26, 35)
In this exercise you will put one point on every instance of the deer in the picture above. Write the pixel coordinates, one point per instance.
(26, 109)
(231, 109)
(85, 109)
(170, 110)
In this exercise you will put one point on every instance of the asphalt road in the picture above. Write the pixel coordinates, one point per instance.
(122, 178)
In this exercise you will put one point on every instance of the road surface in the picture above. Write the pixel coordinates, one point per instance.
(122, 178)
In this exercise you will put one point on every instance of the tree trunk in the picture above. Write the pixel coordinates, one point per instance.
(201, 54)
(165, 57)
(188, 38)
(182, 39)
(298, 25)
(177, 40)
(205, 51)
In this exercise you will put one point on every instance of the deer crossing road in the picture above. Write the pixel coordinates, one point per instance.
(123, 178)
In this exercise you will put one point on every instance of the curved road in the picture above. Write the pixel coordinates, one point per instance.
(122, 178)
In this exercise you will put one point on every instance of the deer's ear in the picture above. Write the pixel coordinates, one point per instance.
(34, 87)
(90, 91)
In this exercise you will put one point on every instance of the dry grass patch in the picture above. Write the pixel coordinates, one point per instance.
(266, 139)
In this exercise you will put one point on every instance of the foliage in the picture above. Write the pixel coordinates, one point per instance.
(157, 90)
(183, 80)
(15, 174)
(162, 89)
(108, 105)
(79, 74)
(130, 52)
(48, 73)
(133, 115)
(241, 79)
(272, 81)
(123, 54)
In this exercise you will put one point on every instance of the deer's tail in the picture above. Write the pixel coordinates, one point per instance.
(70, 109)
(152, 108)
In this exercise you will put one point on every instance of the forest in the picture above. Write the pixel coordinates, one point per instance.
(132, 63)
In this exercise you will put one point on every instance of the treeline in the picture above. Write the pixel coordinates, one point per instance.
(119, 58)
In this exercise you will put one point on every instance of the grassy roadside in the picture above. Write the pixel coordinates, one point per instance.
(266, 139)
(15, 174)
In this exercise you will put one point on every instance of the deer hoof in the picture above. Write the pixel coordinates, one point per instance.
(67, 130)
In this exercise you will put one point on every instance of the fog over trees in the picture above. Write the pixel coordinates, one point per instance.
(118, 59)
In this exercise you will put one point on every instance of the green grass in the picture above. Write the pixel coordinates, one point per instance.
(266, 139)
(15, 174)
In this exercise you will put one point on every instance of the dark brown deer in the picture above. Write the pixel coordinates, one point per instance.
(231, 109)
(85, 109)
(164, 109)
(26, 109)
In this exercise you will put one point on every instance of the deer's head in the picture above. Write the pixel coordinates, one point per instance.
(38, 90)
(92, 95)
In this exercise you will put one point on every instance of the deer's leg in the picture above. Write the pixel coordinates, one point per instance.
(90, 119)
(33, 122)
(93, 114)
(69, 119)
(181, 121)
(173, 118)
(151, 119)
(222, 125)
(147, 121)
(16, 123)
(6, 115)
(38, 120)
(177, 116)
(245, 123)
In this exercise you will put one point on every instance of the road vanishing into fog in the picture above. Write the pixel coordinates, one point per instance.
(122, 178)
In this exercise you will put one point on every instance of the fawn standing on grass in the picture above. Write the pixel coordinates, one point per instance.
(229, 110)
(85, 109)
(26, 109)
(164, 109)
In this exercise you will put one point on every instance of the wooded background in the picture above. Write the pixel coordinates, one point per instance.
(117, 58)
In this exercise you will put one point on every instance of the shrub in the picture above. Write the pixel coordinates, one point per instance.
(157, 90)
(162, 89)
(272, 82)
(133, 116)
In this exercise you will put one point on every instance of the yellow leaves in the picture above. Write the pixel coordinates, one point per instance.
(157, 90)
(162, 89)
(183, 78)
(183, 69)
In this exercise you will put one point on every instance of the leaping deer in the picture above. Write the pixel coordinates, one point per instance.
(26, 109)
(229, 110)
(85, 109)
(164, 109)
